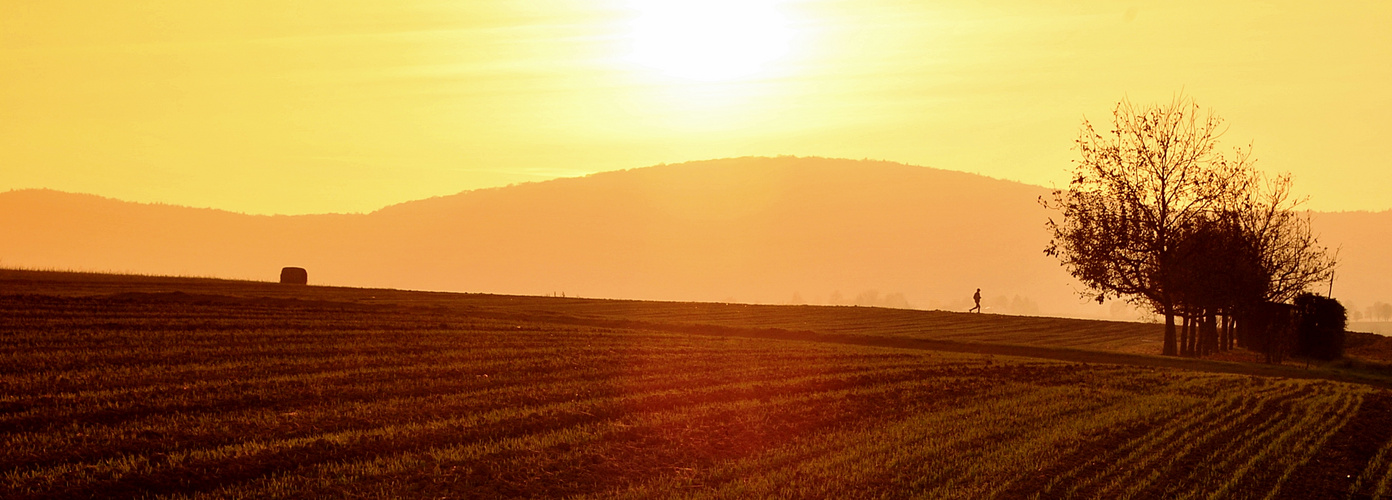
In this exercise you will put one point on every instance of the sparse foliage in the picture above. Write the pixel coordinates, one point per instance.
(1280, 238)
(1157, 215)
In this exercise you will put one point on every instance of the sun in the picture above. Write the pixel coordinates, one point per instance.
(709, 40)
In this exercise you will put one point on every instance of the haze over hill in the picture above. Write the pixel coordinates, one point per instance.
(773, 230)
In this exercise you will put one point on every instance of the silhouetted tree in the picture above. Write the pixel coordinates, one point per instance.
(1156, 215)
(1132, 196)
(1270, 328)
(1213, 268)
(1281, 256)
(1289, 256)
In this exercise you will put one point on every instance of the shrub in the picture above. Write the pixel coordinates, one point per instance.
(1321, 322)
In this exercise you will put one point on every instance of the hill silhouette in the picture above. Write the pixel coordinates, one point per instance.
(770, 230)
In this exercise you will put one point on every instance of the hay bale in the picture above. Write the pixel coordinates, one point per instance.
(294, 276)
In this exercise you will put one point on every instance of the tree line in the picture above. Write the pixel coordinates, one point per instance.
(1157, 214)
(1379, 311)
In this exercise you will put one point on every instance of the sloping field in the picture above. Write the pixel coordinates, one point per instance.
(900, 323)
(959, 327)
(181, 394)
(1050, 338)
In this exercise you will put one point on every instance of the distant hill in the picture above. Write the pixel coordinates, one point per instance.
(771, 230)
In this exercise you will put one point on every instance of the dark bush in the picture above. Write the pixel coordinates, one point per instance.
(1321, 321)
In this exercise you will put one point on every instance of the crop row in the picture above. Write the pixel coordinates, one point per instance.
(243, 400)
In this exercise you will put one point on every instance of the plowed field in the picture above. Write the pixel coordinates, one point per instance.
(252, 391)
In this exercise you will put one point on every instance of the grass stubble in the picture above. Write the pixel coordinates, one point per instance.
(144, 396)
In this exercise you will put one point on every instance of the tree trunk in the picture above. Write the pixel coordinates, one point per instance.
(1184, 348)
(1201, 333)
(1195, 346)
(1197, 336)
(1210, 332)
(1169, 349)
(1239, 330)
(1222, 332)
(1227, 331)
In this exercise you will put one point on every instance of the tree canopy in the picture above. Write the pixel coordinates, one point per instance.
(1157, 214)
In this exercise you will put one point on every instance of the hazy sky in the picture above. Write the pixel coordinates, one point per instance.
(327, 106)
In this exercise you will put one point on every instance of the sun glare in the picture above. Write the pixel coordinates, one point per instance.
(709, 40)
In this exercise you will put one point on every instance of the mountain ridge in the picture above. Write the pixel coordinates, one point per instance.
(771, 230)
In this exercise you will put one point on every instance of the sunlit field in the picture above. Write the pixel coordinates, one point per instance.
(290, 392)
(695, 249)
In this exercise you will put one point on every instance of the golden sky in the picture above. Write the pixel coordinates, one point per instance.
(333, 106)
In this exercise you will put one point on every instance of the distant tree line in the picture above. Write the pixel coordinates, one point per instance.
(1156, 214)
(1379, 311)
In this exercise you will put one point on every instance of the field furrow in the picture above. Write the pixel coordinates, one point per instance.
(196, 395)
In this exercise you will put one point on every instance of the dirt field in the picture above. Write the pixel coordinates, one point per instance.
(131, 387)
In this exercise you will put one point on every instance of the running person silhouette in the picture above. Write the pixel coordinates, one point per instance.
(977, 298)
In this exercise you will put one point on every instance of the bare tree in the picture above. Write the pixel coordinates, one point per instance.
(1290, 257)
(1132, 196)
